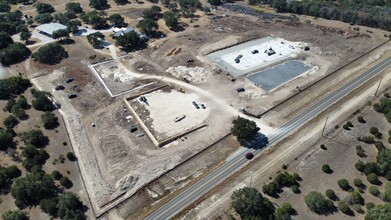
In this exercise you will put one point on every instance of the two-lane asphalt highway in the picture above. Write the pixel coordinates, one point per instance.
(232, 165)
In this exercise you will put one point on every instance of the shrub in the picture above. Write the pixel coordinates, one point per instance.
(370, 168)
(369, 205)
(343, 184)
(358, 182)
(357, 198)
(296, 177)
(318, 203)
(358, 208)
(71, 156)
(323, 147)
(350, 124)
(295, 189)
(331, 194)
(359, 151)
(56, 175)
(360, 166)
(49, 120)
(10, 122)
(346, 127)
(377, 107)
(326, 168)
(372, 178)
(368, 139)
(66, 182)
(379, 145)
(284, 166)
(373, 130)
(361, 119)
(343, 207)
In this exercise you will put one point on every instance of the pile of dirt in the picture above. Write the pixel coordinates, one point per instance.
(193, 74)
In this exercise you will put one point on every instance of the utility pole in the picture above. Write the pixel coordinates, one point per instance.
(381, 78)
(251, 177)
(324, 127)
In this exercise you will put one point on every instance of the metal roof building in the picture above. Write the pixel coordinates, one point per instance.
(123, 31)
(49, 28)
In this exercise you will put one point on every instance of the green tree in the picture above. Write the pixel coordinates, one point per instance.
(34, 137)
(61, 18)
(129, 41)
(10, 121)
(14, 215)
(326, 168)
(249, 203)
(74, 6)
(387, 192)
(14, 85)
(5, 40)
(18, 112)
(171, 20)
(73, 26)
(380, 212)
(43, 18)
(4, 6)
(117, 20)
(44, 8)
(357, 198)
(56, 175)
(343, 207)
(60, 34)
(374, 190)
(71, 156)
(70, 207)
(148, 26)
(49, 120)
(96, 39)
(318, 203)
(25, 36)
(42, 101)
(6, 139)
(66, 182)
(331, 194)
(99, 4)
(372, 178)
(31, 189)
(343, 184)
(7, 175)
(51, 53)
(14, 53)
(33, 157)
(358, 182)
(98, 22)
(284, 212)
(49, 206)
(244, 129)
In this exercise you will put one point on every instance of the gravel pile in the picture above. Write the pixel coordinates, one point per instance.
(251, 11)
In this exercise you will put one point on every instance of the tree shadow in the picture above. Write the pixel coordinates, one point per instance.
(258, 142)
(66, 41)
(178, 28)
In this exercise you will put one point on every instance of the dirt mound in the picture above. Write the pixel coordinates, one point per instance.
(193, 74)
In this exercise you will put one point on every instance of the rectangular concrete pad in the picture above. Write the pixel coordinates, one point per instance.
(273, 77)
(250, 62)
